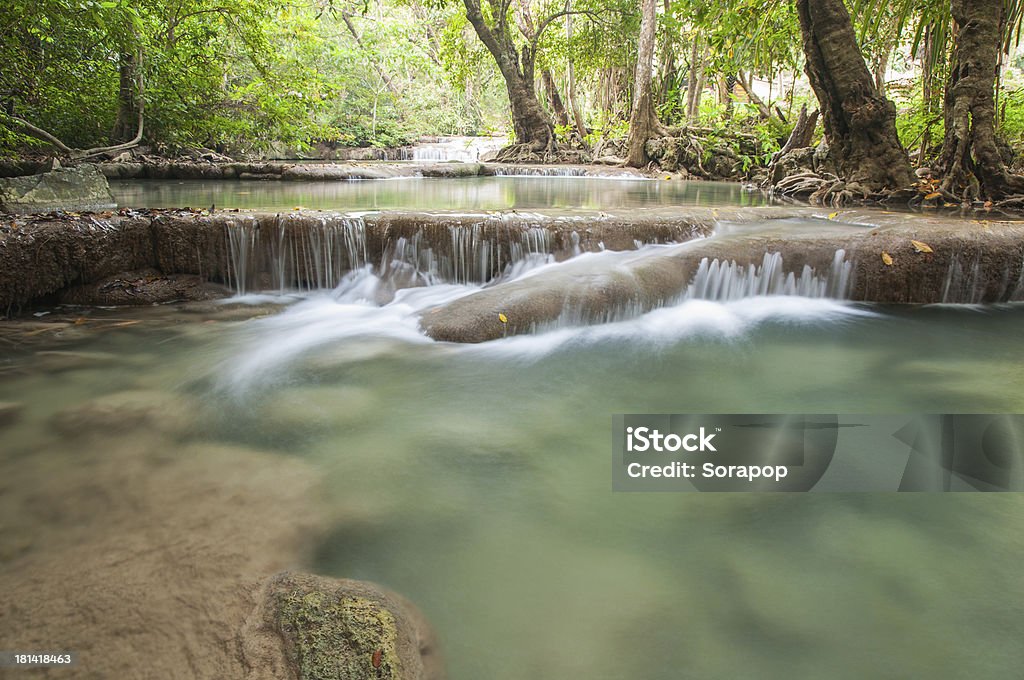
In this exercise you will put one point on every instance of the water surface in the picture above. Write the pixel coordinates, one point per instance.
(417, 193)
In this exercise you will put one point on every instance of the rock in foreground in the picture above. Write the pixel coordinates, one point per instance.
(339, 629)
(79, 188)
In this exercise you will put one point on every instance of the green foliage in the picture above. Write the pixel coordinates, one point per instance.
(1011, 118)
(239, 75)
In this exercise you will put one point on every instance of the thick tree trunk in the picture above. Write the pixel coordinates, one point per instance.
(860, 124)
(970, 159)
(643, 121)
(530, 122)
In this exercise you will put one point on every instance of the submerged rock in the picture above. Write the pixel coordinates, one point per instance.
(79, 188)
(126, 412)
(340, 629)
(10, 412)
(58, 361)
(145, 287)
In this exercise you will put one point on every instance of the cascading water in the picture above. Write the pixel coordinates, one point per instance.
(714, 281)
(465, 149)
(469, 255)
(315, 253)
(723, 281)
(294, 253)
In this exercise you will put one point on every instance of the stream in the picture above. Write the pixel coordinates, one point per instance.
(475, 479)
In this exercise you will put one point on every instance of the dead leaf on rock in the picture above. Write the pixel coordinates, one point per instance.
(887, 259)
(921, 247)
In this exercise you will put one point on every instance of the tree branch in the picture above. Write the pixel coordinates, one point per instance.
(42, 134)
(557, 15)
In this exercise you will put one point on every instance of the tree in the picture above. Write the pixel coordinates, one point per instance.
(531, 123)
(860, 124)
(970, 160)
(643, 120)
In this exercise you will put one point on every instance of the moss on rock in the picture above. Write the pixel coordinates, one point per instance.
(339, 629)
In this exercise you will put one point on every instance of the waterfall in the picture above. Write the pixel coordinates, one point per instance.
(969, 281)
(465, 149)
(294, 252)
(468, 255)
(304, 252)
(726, 281)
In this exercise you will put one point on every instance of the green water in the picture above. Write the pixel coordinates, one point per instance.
(476, 480)
(471, 193)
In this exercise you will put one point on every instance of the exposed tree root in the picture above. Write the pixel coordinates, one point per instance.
(530, 153)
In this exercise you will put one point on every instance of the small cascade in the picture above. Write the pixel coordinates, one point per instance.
(292, 253)
(964, 284)
(242, 246)
(969, 280)
(726, 281)
(465, 149)
(468, 255)
(628, 288)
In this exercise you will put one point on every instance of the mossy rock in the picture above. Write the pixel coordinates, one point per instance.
(339, 629)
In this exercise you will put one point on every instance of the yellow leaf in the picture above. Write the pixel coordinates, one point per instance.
(834, 215)
(887, 259)
(921, 247)
(502, 318)
(933, 196)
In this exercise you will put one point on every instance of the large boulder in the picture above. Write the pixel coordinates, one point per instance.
(82, 187)
(340, 629)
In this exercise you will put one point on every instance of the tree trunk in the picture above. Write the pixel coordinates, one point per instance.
(748, 86)
(859, 123)
(570, 75)
(668, 61)
(643, 120)
(970, 160)
(530, 122)
(695, 83)
(555, 99)
(127, 99)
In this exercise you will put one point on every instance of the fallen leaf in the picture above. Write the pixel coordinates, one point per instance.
(932, 196)
(502, 318)
(887, 259)
(921, 247)
(834, 215)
